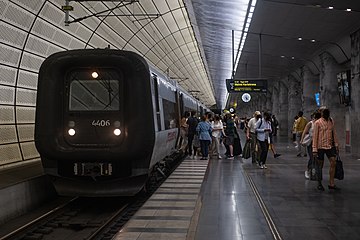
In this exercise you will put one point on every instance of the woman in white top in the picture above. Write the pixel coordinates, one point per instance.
(217, 129)
(251, 136)
(309, 130)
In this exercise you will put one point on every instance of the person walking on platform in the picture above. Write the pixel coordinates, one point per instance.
(184, 132)
(293, 131)
(309, 129)
(217, 130)
(299, 128)
(192, 123)
(263, 128)
(204, 130)
(251, 135)
(230, 129)
(275, 124)
(271, 137)
(325, 142)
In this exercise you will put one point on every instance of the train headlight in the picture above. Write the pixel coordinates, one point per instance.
(71, 132)
(94, 74)
(117, 132)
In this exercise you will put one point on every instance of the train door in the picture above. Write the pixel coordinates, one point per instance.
(157, 102)
(181, 113)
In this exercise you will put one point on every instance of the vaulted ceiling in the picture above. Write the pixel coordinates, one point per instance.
(283, 36)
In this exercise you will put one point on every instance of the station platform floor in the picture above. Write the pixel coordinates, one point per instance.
(233, 199)
(239, 201)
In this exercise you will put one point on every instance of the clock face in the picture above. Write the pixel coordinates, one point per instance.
(246, 97)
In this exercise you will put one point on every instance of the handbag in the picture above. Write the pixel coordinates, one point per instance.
(306, 140)
(339, 170)
(247, 150)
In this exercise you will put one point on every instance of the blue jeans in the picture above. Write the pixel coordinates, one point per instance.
(204, 145)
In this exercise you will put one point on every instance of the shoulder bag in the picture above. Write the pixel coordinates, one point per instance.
(306, 140)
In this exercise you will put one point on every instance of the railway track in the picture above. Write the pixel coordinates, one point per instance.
(79, 218)
(88, 218)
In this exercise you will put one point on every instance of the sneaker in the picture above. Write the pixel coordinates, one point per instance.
(219, 157)
(231, 157)
(299, 155)
(277, 155)
(264, 166)
(305, 155)
(320, 187)
(261, 166)
(307, 176)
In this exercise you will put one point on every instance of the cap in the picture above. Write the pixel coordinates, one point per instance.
(257, 113)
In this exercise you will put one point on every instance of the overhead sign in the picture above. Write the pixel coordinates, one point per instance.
(246, 85)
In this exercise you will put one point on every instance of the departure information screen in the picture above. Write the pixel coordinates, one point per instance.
(246, 85)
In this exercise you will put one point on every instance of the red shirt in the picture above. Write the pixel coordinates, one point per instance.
(323, 134)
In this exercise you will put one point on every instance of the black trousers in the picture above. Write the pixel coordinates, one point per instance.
(264, 145)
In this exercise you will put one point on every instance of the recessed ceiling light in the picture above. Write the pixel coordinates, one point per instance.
(282, 56)
(292, 57)
(348, 9)
(299, 38)
(330, 7)
(313, 40)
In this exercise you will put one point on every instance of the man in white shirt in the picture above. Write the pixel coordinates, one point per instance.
(263, 128)
(251, 134)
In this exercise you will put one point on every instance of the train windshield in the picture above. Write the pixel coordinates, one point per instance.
(94, 95)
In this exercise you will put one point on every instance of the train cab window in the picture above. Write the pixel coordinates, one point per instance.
(169, 114)
(94, 95)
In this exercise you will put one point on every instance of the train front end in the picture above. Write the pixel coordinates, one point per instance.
(94, 122)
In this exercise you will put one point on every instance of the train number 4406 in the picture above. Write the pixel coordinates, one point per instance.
(101, 123)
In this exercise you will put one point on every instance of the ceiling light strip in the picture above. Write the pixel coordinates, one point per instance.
(251, 9)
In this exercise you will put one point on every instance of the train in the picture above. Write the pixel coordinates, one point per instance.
(104, 120)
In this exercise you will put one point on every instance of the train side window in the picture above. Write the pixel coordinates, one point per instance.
(157, 105)
(169, 109)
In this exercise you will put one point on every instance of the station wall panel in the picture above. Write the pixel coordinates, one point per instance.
(26, 97)
(26, 132)
(9, 153)
(6, 95)
(12, 35)
(7, 115)
(25, 115)
(28, 79)
(8, 134)
(7, 75)
(29, 150)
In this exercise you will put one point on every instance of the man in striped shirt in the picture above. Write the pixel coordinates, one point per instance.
(325, 142)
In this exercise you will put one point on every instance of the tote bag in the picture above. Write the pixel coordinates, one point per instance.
(339, 170)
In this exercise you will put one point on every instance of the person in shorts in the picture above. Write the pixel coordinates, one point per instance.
(325, 142)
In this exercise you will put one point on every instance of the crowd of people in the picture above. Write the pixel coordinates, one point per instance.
(314, 139)
(208, 132)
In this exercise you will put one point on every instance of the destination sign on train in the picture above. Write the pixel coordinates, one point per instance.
(246, 85)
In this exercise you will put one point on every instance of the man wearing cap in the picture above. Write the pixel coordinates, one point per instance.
(251, 134)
